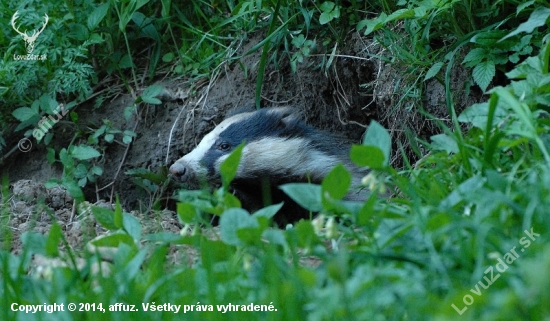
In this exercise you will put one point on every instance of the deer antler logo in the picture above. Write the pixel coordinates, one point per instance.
(29, 40)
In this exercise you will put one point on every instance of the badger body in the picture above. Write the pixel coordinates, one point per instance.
(279, 149)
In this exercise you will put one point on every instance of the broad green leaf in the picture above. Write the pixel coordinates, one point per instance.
(474, 57)
(306, 195)
(268, 211)
(483, 74)
(378, 136)
(477, 115)
(150, 93)
(367, 156)
(337, 182)
(444, 142)
(74, 190)
(105, 217)
(306, 234)
(24, 113)
(186, 212)
(537, 18)
(84, 152)
(231, 221)
(97, 15)
(132, 226)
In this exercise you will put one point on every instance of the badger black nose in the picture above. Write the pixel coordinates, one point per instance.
(178, 170)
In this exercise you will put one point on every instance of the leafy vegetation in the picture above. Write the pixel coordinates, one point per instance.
(464, 236)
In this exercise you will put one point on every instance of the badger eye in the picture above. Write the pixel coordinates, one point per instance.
(224, 146)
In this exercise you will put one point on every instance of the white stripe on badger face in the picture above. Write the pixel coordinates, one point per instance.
(192, 160)
(282, 157)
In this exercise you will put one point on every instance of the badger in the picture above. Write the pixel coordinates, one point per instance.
(279, 148)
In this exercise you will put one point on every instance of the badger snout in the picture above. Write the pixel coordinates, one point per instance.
(179, 171)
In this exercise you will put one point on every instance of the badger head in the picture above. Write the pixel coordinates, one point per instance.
(278, 146)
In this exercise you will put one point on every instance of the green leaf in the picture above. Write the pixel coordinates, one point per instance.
(306, 195)
(327, 6)
(337, 182)
(132, 226)
(186, 212)
(117, 215)
(228, 168)
(113, 240)
(147, 174)
(433, 71)
(97, 15)
(268, 211)
(105, 217)
(52, 242)
(84, 152)
(444, 142)
(109, 138)
(50, 156)
(477, 115)
(537, 18)
(366, 212)
(150, 93)
(24, 113)
(367, 156)
(231, 221)
(72, 187)
(483, 74)
(325, 18)
(306, 234)
(378, 136)
(475, 56)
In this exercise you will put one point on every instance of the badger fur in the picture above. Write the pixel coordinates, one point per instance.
(279, 149)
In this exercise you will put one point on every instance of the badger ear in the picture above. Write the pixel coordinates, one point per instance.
(288, 115)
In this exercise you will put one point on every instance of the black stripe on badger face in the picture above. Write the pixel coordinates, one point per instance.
(275, 123)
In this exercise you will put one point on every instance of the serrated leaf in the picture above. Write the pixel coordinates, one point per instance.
(74, 190)
(24, 113)
(483, 74)
(97, 15)
(84, 152)
(433, 71)
(474, 56)
(150, 93)
(105, 217)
